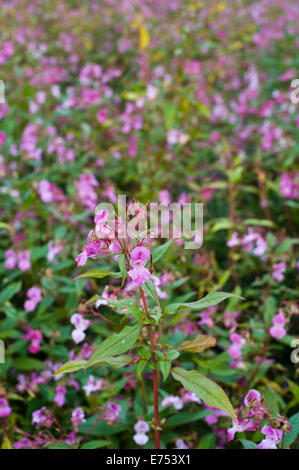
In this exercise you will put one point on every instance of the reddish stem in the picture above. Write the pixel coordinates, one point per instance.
(155, 374)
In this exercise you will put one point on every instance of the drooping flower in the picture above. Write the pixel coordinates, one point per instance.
(94, 385)
(273, 437)
(60, 395)
(80, 326)
(278, 271)
(5, 409)
(277, 329)
(241, 426)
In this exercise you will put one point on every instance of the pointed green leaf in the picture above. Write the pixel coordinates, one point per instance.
(213, 298)
(116, 344)
(160, 251)
(205, 388)
(93, 274)
(71, 366)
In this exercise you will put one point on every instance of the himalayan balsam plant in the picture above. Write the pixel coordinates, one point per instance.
(140, 339)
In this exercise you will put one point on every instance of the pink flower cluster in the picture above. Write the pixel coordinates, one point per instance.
(22, 259)
(6, 51)
(94, 385)
(35, 336)
(42, 417)
(235, 350)
(50, 193)
(34, 295)
(289, 185)
(85, 186)
(111, 413)
(252, 242)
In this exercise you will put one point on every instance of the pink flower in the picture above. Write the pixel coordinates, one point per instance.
(60, 395)
(78, 417)
(172, 400)
(45, 191)
(180, 444)
(42, 418)
(139, 274)
(278, 271)
(252, 396)
(273, 437)
(192, 67)
(288, 186)
(24, 260)
(139, 256)
(2, 138)
(141, 426)
(10, 259)
(35, 296)
(277, 329)
(81, 258)
(80, 326)
(93, 385)
(35, 336)
(5, 409)
(138, 259)
(140, 438)
(234, 240)
(237, 343)
(243, 425)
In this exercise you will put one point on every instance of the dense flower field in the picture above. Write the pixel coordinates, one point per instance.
(137, 342)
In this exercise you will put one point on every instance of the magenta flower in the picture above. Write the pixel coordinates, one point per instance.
(138, 259)
(42, 417)
(78, 417)
(60, 395)
(5, 409)
(237, 343)
(94, 385)
(288, 185)
(24, 260)
(10, 259)
(252, 397)
(273, 437)
(243, 425)
(277, 329)
(278, 271)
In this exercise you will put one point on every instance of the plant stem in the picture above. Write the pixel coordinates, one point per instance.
(155, 374)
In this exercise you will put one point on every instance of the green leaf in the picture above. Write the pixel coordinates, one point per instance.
(9, 291)
(95, 444)
(149, 288)
(213, 298)
(260, 222)
(289, 437)
(197, 345)
(165, 368)
(93, 274)
(160, 251)
(115, 361)
(206, 389)
(27, 363)
(116, 344)
(71, 366)
(248, 444)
